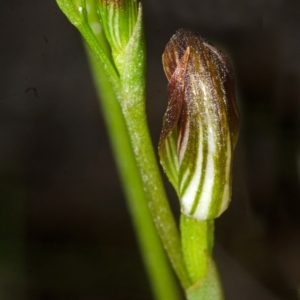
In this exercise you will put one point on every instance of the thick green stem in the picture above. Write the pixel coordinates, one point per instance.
(197, 239)
(157, 266)
(197, 243)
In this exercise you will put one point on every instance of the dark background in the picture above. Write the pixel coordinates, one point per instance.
(65, 231)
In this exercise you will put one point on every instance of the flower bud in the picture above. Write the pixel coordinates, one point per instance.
(201, 125)
(118, 19)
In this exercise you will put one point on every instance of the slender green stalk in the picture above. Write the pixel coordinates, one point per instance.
(133, 107)
(197, 242)
(158, 268)
(154, 190)
(125, 82)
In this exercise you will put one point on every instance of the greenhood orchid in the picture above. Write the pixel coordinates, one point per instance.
(201, 125)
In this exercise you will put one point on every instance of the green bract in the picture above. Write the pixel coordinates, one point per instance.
(118, 19)
(201, 125)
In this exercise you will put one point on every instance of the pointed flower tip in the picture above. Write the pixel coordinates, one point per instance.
(201, 125)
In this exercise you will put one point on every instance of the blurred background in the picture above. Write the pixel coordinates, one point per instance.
(65, 231)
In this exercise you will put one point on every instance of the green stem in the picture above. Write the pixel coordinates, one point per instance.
(157, 266)
(197, 243)
(132, 102)
(154, 190)
(128, 87)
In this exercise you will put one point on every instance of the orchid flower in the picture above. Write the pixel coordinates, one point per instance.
(201, 125)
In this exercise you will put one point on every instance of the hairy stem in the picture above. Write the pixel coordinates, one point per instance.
(157, 266)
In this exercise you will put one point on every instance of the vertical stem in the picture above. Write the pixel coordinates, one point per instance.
(197, 243)
(123, 103)
(160, 274)
(152, 182)
(132, 102)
